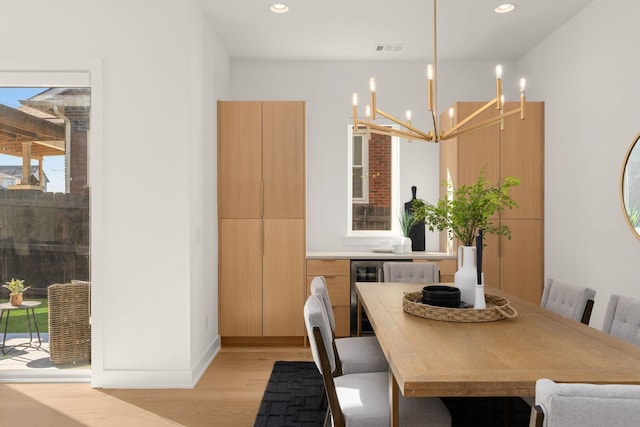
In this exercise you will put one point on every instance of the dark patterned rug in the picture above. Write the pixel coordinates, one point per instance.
(293, 398)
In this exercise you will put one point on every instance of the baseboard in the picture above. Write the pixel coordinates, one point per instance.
(178, 378)
(263, 341)
(205, 360)
(47, 376)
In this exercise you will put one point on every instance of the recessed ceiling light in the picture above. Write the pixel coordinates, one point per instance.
(505, 8)
(279, 8)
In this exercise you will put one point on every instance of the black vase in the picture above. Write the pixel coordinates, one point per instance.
(416, 234)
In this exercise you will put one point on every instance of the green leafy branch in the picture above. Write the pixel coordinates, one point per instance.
(407, 222)
(470, 209)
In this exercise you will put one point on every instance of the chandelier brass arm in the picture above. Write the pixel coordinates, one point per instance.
(385, 130)
(436, 135)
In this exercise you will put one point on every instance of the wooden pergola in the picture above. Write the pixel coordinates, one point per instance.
(29, 137)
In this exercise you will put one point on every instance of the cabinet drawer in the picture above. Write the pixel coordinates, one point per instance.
(447, 267)
(328, 267)
(338, 287)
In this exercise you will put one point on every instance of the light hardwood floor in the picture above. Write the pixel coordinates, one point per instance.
(228, 394)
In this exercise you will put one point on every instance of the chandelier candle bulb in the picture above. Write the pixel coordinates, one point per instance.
(430, 86)
(372, 88)
(523, 85)
(499, 86)
(409, 123)
(451, 113)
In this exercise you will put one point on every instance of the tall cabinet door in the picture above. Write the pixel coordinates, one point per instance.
(240, 159)
(240, 277)
(478, 150)
(284, 212)
(521, 259)
(522, 155)
(284, 159)
(283, 288)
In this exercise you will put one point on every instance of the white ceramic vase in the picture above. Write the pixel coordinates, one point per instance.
(467, 275)
(406, 245)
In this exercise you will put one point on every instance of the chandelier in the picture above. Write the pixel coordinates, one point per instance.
(466, 125)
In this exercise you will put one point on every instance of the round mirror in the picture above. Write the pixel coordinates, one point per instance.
(630, 186)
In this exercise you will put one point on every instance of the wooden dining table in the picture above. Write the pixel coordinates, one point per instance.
(496, 358)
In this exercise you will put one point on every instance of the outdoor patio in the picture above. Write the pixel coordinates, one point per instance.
(28, 362)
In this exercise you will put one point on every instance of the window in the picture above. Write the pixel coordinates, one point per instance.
(44, 169)
(360, 169)
(373, 204)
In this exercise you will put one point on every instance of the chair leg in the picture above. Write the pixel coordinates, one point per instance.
(586, 316)
(327, 418)
(323, 399)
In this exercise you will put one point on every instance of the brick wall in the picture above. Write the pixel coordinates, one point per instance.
(79, 118)
(376, 215)
(380, 171)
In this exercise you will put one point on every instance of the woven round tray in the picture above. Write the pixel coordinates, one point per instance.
(498, 308)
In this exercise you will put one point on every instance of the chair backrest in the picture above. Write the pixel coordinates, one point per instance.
(571, 301)
(322, 349)
(586, 405)
(319, 287)
(315, 316)
(622, 318)
(411, 272)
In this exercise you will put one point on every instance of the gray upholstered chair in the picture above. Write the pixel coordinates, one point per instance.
(362, 399)
(354, 354)
(411, 272)
(622, 319)
(585, 405)
(571, 301)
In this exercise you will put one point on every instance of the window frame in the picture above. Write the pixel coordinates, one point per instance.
(72, 72)
(373, 237)
(364, 165)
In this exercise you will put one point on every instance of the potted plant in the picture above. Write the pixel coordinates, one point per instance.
(407, 221)
(470, 209)
(465, 214)
(16, 288)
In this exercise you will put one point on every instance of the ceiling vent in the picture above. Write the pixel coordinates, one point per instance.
(388, 47)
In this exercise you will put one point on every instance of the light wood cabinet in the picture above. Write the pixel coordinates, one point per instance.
(261, 207)
(515, 265)
(337, 275)
(447, 268)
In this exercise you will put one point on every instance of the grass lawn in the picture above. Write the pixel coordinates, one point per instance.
(18, 319)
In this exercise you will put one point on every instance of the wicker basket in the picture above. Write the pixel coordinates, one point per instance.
(497, 308)
(69, 327)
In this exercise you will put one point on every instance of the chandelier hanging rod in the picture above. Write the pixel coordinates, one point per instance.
(436, 135)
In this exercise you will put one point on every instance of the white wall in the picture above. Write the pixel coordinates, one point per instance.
(587, 73)
(327, 87)
(209, 79)
(154, 247)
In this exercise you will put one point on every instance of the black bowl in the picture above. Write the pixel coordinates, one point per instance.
(441, 296)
